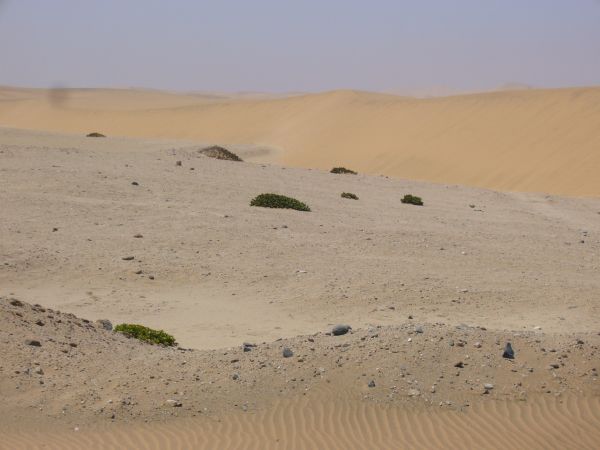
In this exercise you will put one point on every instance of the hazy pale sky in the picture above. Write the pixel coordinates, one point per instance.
(300, 45)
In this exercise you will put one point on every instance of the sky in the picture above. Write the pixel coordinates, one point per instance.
(299, 45)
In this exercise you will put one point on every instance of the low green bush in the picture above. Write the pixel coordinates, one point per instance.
(349, 195)
(146, 334)
(342, 170)
(278, 201)
(412, 200)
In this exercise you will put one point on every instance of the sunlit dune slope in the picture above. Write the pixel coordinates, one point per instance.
(527, 140)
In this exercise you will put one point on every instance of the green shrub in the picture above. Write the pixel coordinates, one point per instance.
(278, 201)
(342, 170)
(349, 195)
(412, 200)
(95, 135)
(146, 334)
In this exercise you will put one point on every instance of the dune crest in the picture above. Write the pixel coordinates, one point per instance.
(524, 140)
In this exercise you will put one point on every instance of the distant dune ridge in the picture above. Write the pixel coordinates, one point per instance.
(522, 139)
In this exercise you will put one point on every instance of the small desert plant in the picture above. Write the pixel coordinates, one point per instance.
(219, 153)
(412, 200)
(146, 334)
(278, 201)
(95, 135)
(342, 170)
(349, 195)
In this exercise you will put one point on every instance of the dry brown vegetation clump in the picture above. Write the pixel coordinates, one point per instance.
(219, 153)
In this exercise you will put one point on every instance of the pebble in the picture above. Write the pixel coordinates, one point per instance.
(128, 258)
(287, 352)
(488, 386)
(33, 343)
(246, 346)
(174, 403)
(372, 383)
(105, 324)
(508, 353)
(340, 330)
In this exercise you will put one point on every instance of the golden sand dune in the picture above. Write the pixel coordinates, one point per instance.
(527, 140)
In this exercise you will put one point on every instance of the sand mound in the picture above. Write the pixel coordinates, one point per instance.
(527, 140)
(82, 375)
(219, 153)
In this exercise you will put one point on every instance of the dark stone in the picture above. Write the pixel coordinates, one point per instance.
(128, 258)
(509, 353)
(287, 353)
(135, 183)
(339, 330)
(105, 323)
(15, 302)
(459, 364)
(33, 343)
(372, 383)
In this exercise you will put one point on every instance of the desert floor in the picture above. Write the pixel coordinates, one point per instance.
(424, 289)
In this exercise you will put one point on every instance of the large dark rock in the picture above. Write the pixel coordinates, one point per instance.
(339, 330)
(509, 353)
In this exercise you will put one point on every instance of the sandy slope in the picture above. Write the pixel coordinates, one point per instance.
(88, 387)
(470, 266)
(225, 272)
(527, 140)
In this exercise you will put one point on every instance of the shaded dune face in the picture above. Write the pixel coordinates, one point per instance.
(531, 140)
